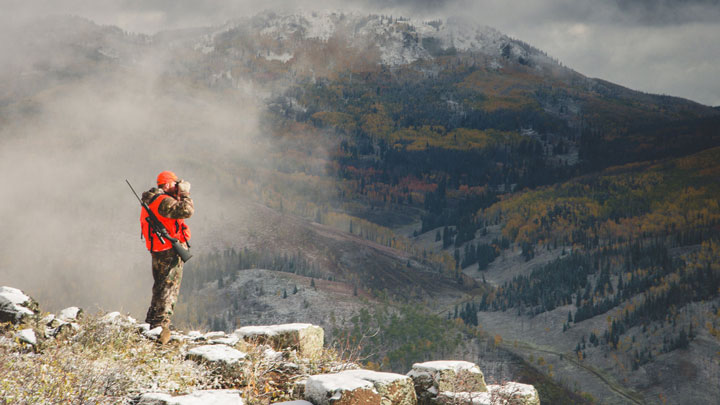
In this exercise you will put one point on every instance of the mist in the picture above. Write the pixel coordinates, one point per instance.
(71, 224)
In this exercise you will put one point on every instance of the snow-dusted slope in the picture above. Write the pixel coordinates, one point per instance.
(398, 40)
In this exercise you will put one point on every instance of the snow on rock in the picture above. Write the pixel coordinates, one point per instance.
(433, 377)
(117, 318)
(15, 305)
(216, 353)
(272, 355)
(326, 389)
(311, 25)
(57, 328)
(152, 333)
(112, 317)
(228, 340)
(27, 336)
(215, 397)
(509, 393)
(70, 314)
(304, 337)
(360, 386)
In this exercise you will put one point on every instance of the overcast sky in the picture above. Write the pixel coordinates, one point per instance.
(659, 46)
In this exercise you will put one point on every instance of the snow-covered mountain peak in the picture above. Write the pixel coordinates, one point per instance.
(399, 40)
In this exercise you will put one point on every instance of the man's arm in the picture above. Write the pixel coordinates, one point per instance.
(176, 208)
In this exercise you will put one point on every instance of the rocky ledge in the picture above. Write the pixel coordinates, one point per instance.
(259, 364)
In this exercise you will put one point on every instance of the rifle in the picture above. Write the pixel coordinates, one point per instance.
(157, 227)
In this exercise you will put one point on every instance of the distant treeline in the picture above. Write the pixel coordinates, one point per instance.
(223, 266)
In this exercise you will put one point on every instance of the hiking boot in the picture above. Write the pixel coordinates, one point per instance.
(164, 335)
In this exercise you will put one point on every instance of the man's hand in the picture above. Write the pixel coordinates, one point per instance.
(183, 188)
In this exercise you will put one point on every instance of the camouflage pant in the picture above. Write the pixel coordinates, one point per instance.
(167, 273)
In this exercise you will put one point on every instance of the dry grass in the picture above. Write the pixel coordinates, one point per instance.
(101, 364)
(106, 363)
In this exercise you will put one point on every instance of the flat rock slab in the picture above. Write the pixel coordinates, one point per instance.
(304, 337)
(207, 397)
(360, 387)
(509, 393)
(216, 354)
(433, 377)
(15, 305)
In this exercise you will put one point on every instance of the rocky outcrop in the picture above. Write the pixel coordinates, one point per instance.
(433, 377)
(307, 339)
(215, 397)
(360, 387)
(15, 305)
(280, 360)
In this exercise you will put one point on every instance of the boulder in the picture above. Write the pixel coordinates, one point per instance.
(70, 314)
(216, 354)
(360, 387)
(15, 305)
(303, 337)
(215, 397)
(508, 393)
(27, 336)
(432, 377)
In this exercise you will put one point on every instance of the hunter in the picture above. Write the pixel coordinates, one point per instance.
(170, 202)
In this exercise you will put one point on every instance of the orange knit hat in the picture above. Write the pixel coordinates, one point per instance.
(166, 177)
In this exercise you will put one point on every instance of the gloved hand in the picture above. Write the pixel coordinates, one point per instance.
(183, 188)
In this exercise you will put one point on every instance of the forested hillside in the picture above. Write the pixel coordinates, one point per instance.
(641, 239)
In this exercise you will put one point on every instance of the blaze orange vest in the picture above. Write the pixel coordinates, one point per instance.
(175, 227)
